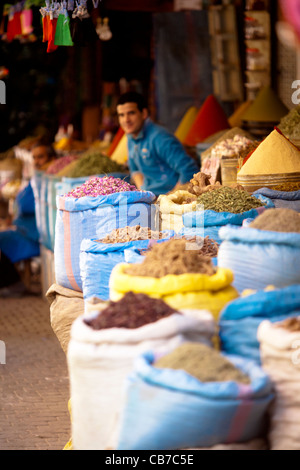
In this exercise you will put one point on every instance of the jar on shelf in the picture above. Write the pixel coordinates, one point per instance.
(255, 60)
(253, 28)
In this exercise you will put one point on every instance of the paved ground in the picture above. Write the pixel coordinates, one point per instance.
(34, 384)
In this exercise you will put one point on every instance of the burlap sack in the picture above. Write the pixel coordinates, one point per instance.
(65, 306)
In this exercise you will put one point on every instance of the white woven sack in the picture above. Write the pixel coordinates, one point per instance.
(171, 211)
(280, 358)
(99, 361)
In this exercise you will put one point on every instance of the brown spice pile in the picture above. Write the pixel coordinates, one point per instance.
(172, 257)
(277, 220)
(287, 187)
(132, 311)
(290, 324)
(127, 234)
(202, 362)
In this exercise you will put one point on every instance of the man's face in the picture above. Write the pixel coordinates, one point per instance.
(40, 156)
(131, 119)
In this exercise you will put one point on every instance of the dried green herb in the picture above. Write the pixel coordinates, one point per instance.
(226, 199)
(203, 362)
(95, 163)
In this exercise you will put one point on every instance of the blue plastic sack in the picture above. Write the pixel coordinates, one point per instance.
(97, 260)
(209, 218)
(259, 258)
(94, 218)
(170, 409)
(240, 319)
(281, 199)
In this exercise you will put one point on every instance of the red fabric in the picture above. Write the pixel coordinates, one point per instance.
(17, 24)
(10, 30)
(118, 136)
(51, 30)
(46, 20)
(210, 119)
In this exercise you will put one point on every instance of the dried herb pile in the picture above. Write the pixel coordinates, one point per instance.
(226, 199)
(277, 220)
(202, 362)
(132, 311)
(127, 234)
(172, 257)
(94, 163)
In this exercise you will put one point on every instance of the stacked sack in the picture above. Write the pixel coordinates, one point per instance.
(263, 253)
(178, 272)
(240, 319)
(219, 205)
(279, 349)
(192, 396)
(99, 257)
(103, 347)
(92, 211)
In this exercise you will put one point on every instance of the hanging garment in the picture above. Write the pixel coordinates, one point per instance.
(51, 29)
(62, 33)
(26, 22)
(45, 23)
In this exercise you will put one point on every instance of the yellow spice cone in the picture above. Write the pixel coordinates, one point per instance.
(274, 155)
(120, 153)
(235, 120)
(186, 123)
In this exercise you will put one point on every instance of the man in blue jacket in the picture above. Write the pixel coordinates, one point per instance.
(157, 160)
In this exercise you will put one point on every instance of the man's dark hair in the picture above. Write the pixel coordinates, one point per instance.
(44, 142)
(133, 97)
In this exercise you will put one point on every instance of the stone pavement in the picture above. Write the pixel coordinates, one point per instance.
(34, 382)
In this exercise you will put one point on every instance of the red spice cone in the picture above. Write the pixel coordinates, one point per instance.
(210, 119)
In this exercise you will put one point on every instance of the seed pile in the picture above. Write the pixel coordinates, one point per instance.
(101, 187)
(93, 163)
(132, 311)
(290, 324)
(127, 234)
(226, 199)
(172, 257)
(202, 362)
(277, 220)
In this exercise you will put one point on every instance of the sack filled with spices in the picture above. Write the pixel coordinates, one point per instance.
(264, 253)
(287, 196)
(279, 349)
(172, 207)
(224, 206)
(197, 395)
(65, 306)
(99, 257)
(180, 274)
(102, 351)
(240, 319)
(92, 211)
